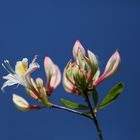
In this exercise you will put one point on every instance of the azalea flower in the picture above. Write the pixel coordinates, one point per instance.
(83, 74)
(21, 74)
(53, 75)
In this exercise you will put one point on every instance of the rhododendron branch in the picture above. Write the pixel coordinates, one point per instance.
(94, 117)
(80, 77)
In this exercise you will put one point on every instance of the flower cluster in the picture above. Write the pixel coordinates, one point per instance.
(79, 77)
(83, 75)
(35, 88)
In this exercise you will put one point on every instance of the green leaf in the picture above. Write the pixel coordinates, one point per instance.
(74, 105)
(95, 96)
(112, 95)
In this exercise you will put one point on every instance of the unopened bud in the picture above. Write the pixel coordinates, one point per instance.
(31, 93)
(39, 83)
(20, 103)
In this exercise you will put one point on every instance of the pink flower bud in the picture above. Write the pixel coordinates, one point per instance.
(77, 46)
(53, 74)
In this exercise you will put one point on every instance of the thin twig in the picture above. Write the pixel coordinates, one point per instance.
(71, 110)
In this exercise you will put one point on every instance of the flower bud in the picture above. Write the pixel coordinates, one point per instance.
(77, 46)
(31, 93)
(111, 67)
(44, 95)
(79, 77)
(39, 83)
(53, 74)
(68, 79)
(93, 62)
(20, 103)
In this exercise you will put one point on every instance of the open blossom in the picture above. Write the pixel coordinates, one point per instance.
(83, 75)
(21, 74)
(53, 75)
(35, 89)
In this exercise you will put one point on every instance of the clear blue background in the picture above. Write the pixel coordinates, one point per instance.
(51, 27)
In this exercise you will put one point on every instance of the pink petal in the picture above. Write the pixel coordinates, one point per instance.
(56, 77)
(111, 67)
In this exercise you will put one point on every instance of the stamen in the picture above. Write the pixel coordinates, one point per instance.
(35, 57)
(5, 68)
(9, 67)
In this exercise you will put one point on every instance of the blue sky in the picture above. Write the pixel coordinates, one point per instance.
(50, 27)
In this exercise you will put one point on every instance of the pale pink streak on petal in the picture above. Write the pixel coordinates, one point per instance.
(77, 46)
(111, 67)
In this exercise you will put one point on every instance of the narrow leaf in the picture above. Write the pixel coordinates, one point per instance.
(112, 95)
(74, 105)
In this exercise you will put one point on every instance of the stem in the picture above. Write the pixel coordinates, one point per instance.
(70, 110)
(94, 118)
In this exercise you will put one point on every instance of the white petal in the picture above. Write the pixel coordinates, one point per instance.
(21, 67)
(11, 77)
(26, 81)
(10, 81)
(32, 68)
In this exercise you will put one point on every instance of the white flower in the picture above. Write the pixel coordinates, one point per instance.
(21, 74)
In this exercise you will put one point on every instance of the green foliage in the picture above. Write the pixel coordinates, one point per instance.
(74, 105)
(112, 95)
